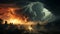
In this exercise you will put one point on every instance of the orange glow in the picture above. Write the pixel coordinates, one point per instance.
(30, 28)
(13, 9)
(14, 21)
(11, 17)
(8, 14)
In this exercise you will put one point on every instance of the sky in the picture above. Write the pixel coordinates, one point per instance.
(52, 5)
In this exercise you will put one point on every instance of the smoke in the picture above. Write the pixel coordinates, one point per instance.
(48, 16)
(35, 11)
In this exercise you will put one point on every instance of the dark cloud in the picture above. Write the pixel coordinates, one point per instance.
(34, 10)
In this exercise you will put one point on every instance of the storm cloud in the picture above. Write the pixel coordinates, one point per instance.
(37, 12)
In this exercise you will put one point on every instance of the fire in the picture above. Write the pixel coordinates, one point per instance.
(30, 28)
(13, 18)
(15, 21)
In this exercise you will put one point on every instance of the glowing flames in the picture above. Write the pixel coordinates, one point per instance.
(8, 14)
(11, 17)
(14, 21)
